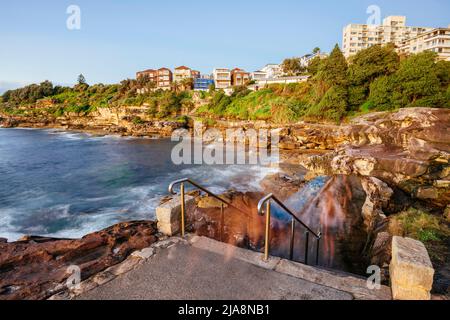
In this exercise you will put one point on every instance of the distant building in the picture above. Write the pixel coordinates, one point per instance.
(239, 77)
(222, 78)
(203, 83)
(258, 75)
(150, 74)
(195, 74)
(357, 37)
(164, 79)
(273, 70)
(307, 58)
(281, 80)
(183, 72)
(436, 40)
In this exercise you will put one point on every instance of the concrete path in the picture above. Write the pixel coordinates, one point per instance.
(205, 269)
(186, 272)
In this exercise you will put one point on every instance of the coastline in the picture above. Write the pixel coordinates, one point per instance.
(376, 153)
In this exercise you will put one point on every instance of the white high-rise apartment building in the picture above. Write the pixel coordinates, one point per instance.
(436, 40)
(357, 37)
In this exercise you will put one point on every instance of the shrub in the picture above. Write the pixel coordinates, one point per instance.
(332, 106)
(137, 121)
(419, 225)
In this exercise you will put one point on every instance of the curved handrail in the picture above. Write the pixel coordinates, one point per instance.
(198, 186)
(272, 197)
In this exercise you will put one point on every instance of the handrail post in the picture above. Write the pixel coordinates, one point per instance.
(291, 247)
(183, 208)
(267, 234)
(306, 247)
(222, 222)
(317, 251)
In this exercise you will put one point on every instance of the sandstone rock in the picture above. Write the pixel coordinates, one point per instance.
(169, 214)
(281, 185)
(381, 253)
(3, 240)
(409, 149)
(103, 277)
(144, 254)
(35, 267)
(442, 183)
(378, 195)
(411, 270)
(124, 267)
(427, 193)
(84, 286)
(447, 213)
(210, 202)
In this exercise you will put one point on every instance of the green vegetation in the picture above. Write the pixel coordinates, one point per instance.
(430, 229)
(277, 103)
(83, 99)
(376, 79)
(420, 225)
(292, 67)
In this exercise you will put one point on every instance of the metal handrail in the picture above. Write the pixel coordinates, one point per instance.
(266, 200)
(182, 183)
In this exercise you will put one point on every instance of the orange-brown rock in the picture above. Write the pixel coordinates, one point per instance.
(36, 267)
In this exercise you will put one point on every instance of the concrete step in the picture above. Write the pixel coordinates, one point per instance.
(354, 285)
(184, 271)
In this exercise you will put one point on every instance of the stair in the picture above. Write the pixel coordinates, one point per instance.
(202, 268)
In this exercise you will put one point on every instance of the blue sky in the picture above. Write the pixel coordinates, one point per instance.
(118, 38)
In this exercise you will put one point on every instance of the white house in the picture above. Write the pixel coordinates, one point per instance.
(272, 70)
(258, 75)
(307, 58)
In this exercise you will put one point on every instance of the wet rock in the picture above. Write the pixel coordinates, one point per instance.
(241, 225)
(281, 185)
(210, 202)
(33, 267)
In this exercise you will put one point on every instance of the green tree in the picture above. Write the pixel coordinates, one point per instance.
(381, 92)
(292, 67)
(419, 81)
(314, 66)
(81, 79)
(333, 105)
(316, 50)
(443, 73)
(333, 70)
(367, 65)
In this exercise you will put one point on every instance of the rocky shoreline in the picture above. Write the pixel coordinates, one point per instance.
(398, 160)
(37, 267)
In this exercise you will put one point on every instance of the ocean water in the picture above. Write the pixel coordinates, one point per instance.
(65, 184)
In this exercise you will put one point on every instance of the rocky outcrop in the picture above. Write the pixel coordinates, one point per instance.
(36, 267)
(378, 195)
(409, 149)
(111, 120)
